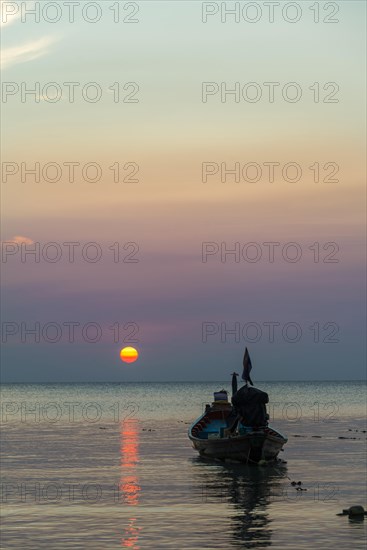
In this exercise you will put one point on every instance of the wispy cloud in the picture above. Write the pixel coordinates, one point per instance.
(12, 11)
(9, 13)
(19, 239)
(25, 52)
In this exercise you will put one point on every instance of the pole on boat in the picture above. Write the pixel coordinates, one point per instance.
(234, 383)
(234, 390)
(247, 366)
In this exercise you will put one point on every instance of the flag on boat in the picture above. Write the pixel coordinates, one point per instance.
(247, 366)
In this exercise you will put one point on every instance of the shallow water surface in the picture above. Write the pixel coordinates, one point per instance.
(118, 471)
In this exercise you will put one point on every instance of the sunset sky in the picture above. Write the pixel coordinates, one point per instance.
(170, 292)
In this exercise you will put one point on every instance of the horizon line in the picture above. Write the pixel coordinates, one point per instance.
(177, 381)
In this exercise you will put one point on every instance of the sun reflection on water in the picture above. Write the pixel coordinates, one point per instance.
(129, 481)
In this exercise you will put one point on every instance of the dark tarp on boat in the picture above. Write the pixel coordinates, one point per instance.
(250, 403)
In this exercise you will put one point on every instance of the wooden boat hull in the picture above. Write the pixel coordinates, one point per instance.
(247, 448)
(261, 443)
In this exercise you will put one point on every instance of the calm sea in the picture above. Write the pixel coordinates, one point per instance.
(107, 466)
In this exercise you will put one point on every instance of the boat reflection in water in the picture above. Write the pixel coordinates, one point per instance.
(129, 488)
(243, 493)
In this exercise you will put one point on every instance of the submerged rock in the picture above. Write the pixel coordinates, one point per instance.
(355, 511)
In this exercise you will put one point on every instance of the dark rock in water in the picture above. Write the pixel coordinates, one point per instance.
(355, 511)
(294, 483)
(316, 436)
(341, 437)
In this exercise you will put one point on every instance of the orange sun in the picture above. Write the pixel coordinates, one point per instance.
(129, 355)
